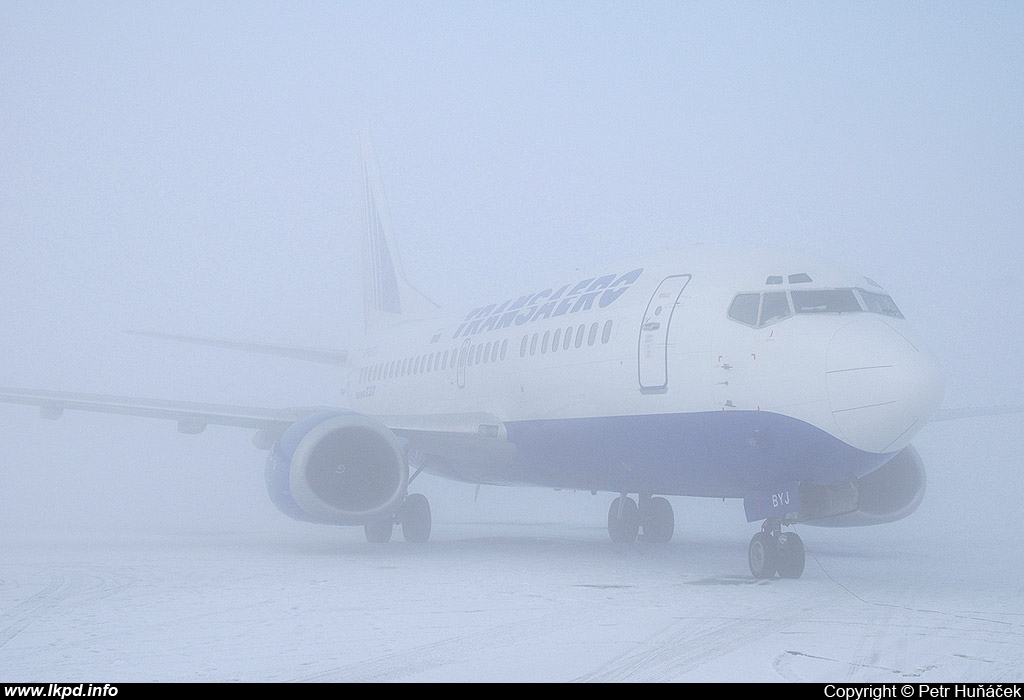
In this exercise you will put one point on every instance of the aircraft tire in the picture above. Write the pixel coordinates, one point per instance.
(657, 520)
(625, 526)
(791, 555)
(415, 518)
(379, 532)
(763, 555)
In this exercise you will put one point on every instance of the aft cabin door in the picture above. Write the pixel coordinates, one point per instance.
(653, 345)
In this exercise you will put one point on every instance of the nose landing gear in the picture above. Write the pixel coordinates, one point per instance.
(775, 552)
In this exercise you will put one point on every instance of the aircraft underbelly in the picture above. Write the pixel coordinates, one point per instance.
(719, 454)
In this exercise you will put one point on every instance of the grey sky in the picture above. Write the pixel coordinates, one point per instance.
(192, 168)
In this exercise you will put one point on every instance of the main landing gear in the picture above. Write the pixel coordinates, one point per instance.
(653, 515)
(773, 551)
(413, 516)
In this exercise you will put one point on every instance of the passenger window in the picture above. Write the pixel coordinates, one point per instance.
(533, 344)
(606, 334)
(544, 342)
(504, 347)
(593, 334)
(568, 338)
(579, 335)
(555, 339)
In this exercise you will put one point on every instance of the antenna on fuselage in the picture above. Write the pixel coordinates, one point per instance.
(387, 295)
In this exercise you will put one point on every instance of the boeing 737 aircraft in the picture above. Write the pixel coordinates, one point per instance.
(772, 377)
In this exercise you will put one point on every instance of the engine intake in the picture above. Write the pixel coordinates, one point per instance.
(890, 493)
(339, 468)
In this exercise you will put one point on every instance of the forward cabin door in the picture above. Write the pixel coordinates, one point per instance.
(653, 344)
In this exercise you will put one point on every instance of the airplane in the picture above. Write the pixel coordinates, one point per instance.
(769, 376)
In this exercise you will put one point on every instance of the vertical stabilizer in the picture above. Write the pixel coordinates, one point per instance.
(387, 296)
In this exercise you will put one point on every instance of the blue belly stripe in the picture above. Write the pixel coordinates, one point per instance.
(726, 454)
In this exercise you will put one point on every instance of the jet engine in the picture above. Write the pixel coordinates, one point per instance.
(890, 493)
(339, 468)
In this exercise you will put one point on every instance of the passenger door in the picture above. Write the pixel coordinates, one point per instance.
(652, 347)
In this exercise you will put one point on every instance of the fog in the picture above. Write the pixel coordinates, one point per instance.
(193, 168)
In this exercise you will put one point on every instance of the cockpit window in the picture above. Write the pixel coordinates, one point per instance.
(744, 308)
(880, 304)
(825, 301)
(774, 307)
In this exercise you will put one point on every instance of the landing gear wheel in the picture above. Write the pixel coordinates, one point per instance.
(763, 555)
(657, 520)
(791, 555)
(414, 515)
(623, 520)
(379, 532)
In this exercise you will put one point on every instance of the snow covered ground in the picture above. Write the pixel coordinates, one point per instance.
(502, 595)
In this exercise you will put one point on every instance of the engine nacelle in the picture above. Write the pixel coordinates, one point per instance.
(890, 493)
(339, 468)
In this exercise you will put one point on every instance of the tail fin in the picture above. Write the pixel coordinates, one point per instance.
(387, 296)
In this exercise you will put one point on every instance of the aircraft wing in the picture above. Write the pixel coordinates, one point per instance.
(958, 413)
(192, 416)
(479, 435)
(449, 444)
(322, 355)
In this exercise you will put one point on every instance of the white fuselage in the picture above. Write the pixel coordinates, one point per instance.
(671, 354)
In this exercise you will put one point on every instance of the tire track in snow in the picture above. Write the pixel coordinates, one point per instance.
(897, 645)
(403, 665)
(690, 643)
(62, 585)
(13, 621)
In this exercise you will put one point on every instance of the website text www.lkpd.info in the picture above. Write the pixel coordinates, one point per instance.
(60, 690)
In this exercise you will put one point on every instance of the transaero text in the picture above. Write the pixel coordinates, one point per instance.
(549, 303)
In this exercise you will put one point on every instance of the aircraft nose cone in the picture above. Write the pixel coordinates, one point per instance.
(882, 387)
